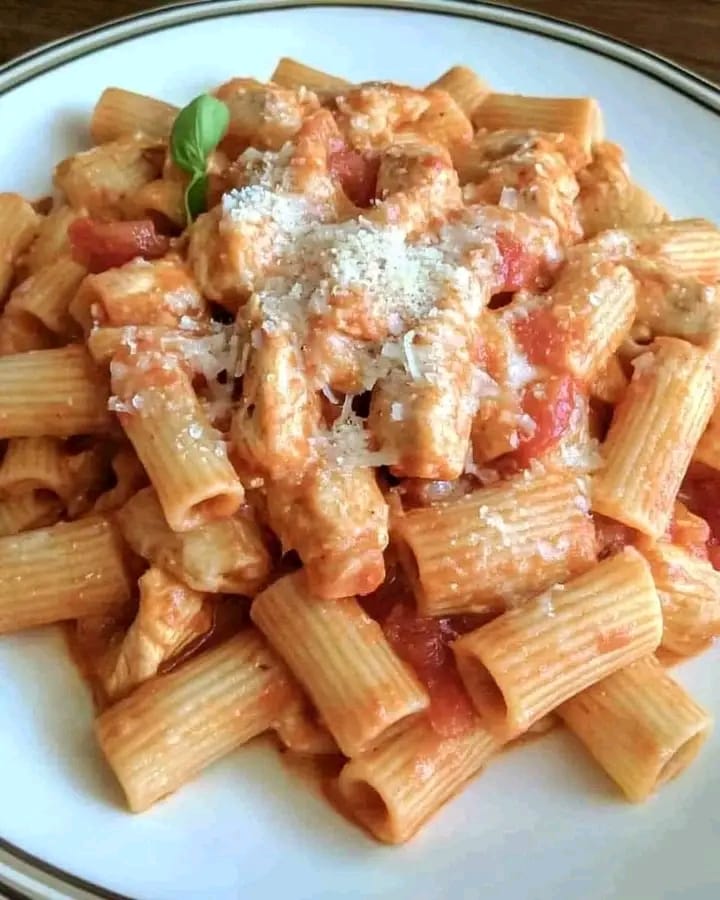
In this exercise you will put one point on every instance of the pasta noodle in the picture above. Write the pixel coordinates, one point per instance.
(63, 572)
(184, 456)
(175, 725)
(579, 117)
(18, 226)
(379, 417)
(498, 545)
(393, 789)
(464, 86)
(526, 662)
(653, 434)
(640, 725)
(119, 113)
(689, 591)
(52, 392)
(361, 689)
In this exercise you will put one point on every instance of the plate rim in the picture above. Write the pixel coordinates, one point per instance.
(43, 59)
(40, 60)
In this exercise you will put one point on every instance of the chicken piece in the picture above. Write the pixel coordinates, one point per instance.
(169, 617)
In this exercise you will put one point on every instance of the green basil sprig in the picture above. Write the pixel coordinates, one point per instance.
(196, 132)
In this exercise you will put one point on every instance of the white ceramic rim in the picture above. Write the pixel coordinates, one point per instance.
(29, 871)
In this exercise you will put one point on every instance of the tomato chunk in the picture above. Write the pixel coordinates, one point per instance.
(425, 645)
(542, 337)
(356, 172)
(106, 245)
(550, 405)
(518, 268)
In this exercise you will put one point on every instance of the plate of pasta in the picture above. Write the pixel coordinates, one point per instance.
(360, 473)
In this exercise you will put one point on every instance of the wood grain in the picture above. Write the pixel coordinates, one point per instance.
(687, 32)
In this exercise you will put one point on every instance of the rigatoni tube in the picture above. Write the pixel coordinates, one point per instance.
(464, 86)
(360, 687)
(185, 458)
(498, 545)
(69, 570)
(52, 392)
(529, 660)
(35, 464)
(690, 247)
(18, 226)
(120, 113)
(689, 591)
(46, 295)
(290, 73)
(175, 725)
(707, 451)
(31, 510)
(576, 116)
(640, 725)
(653, 433)
(395, 788)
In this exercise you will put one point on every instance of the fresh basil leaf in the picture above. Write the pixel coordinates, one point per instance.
(196, 196)
(197, 130)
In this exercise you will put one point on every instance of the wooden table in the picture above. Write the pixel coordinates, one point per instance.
(687, 31)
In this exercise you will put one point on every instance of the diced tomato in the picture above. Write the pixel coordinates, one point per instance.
(542, 337)
(356, 172)
(105, 245)
(550, 405)
(425, 645)
(518, 268)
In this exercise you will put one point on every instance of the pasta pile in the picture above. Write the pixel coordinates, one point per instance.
(379, 418)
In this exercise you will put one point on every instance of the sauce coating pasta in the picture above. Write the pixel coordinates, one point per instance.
(379, 417)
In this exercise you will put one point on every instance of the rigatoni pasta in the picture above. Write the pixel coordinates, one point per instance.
(119, 113)
(63, 572)
(653, 434)
(18, 226)
(640, 725)
(375, 416)
(689, 591)
(498, 545)
(526, 662)
(175, 725)
(393, 789)
(52, 392)
(185, 458)
(576, 116)
(336, 651)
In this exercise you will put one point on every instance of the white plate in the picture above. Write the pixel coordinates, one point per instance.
(542, 823)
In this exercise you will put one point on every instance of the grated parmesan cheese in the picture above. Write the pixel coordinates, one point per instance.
(346, 443)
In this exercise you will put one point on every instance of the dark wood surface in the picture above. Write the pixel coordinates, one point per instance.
(687, 31)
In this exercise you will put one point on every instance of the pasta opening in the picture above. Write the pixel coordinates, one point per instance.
(682, 758)
(367, 805)
(411, 570)
(482, 687)
(217, 507)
